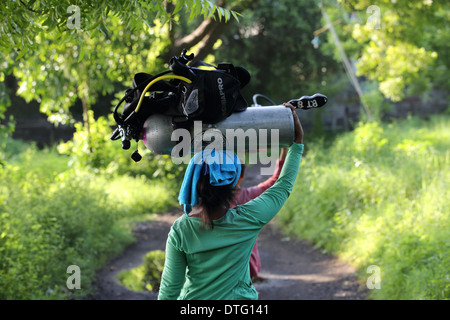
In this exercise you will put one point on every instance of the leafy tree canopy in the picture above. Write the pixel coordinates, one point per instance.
(402, 44)
(66, 50)
(26, 18)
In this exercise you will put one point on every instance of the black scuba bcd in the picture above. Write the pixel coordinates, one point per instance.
(198, 92)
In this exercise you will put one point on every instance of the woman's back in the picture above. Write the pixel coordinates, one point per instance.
(217, 259)
(213, 263)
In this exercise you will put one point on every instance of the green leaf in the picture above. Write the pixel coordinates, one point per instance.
(227, 15)
(179, 5)
(22, 52)
(221, 12)
(236, 15)
(81, 53)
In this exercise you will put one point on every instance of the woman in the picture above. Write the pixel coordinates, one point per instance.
(207, 252)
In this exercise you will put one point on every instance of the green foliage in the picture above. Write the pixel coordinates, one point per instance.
(273, 41)
(5, 132)
(65, 17)
(4, 97)
(402, 45)
(380, 196)
(57, 73)
(53, 217)
(147, 276)
(153, 268)
(375, 101)
(97, 151)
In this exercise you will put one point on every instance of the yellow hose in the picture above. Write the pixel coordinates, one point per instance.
(169, 76)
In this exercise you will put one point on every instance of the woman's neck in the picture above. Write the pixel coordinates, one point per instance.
(217, 214)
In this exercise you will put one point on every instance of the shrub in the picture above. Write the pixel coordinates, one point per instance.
(146, 276)
(96, 150)
(380, 196)
(52, 217)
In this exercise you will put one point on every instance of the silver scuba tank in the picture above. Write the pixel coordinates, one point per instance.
(256, 128)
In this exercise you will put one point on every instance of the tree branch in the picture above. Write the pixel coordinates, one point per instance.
(207, 33)
(207, 43)
(191, 39)
(197, 35)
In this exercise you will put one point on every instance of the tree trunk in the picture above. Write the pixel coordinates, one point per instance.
(208, 41)
(206, 34)
(86, 121)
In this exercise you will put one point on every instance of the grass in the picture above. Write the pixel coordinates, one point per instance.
(147, 276)
(52, 217)
(380, 196)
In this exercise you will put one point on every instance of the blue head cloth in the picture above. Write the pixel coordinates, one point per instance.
(223, 167)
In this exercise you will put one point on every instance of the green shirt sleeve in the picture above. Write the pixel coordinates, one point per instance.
(269, 203)
(173, 275)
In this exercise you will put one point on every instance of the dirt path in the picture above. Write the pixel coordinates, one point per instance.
(291, 269)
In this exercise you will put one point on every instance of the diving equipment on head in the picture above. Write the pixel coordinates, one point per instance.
(198, 98)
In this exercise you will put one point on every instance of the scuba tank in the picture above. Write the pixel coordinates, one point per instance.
(199, 104)
(256, 128)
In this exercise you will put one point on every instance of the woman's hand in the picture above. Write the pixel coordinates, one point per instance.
(298, 138)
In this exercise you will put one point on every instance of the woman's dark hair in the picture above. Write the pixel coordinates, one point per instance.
(213, 198)
(242, 169)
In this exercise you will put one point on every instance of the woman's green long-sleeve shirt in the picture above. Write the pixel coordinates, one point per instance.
(205, 264)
